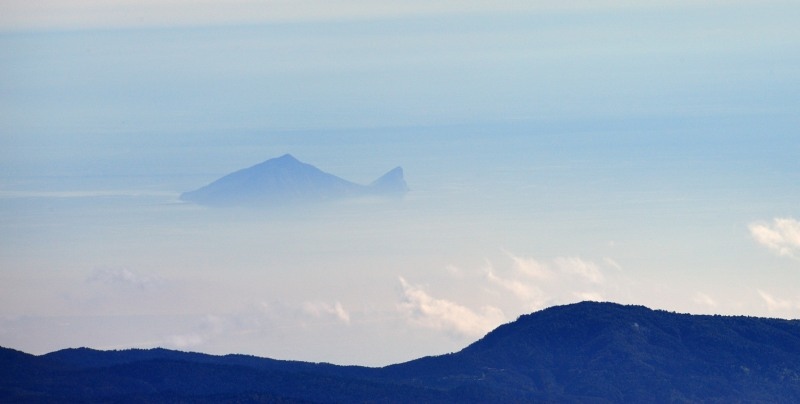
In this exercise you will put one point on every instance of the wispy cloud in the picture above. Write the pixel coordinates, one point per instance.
(782, 236)
(524, 285)
(211, 326)
(585, 269)
(540, 282)
(775, 304)
(82, 194)
(126, 13)
(704, 300)
(421, 308)
(261, 318)
(125, 278)
(523, 290)
(612, 263)
(324, 309)
(531, 267)
(186, 341)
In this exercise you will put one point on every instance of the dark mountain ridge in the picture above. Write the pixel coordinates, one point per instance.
(286, 180)
(585, 352)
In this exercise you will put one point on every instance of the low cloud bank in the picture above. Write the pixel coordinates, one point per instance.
(781, 236)
(524, 285)
(422, 309)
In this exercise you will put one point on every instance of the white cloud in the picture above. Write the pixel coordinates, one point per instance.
(522, 290)
(540, 283)
(775, 304)
(422, 309)
(560, 267)
(585, 269)
(612, 263)
(185, 341)
(782, 236)
(260, 318)
(323, 309)
(454, 270)
(704, 299)
(521, 285)
(531, 267)
(125, 278)
(210, 327)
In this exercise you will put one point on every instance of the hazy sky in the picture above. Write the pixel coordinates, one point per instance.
(638, 152)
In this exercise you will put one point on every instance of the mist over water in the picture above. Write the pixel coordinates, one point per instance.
(120, 254)
(635, 155)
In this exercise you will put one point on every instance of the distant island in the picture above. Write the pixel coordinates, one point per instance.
(580, 353)
(287, 181)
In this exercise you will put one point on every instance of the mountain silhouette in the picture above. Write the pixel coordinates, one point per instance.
(584, 352)
(285, 180)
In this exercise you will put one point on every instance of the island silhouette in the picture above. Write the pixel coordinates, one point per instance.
(286, 180)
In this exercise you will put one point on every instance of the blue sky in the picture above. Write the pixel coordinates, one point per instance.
(645, 154)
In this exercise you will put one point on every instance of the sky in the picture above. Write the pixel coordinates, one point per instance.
(636, 152)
